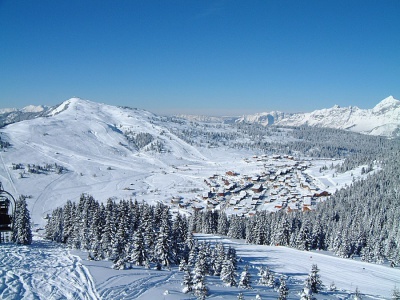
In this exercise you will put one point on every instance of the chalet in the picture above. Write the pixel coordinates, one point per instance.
(273, 192)
(197, 207)
(207, 195)
(183, 205)
(221, 192)
(307, 201)
(231, 173)
(176, 200)
(211, 204)
(251, 213)
(291, 209)
(322, 194)
(291, 184)
(255, 178)
(232, 186)
(234, 200)
(258, 188)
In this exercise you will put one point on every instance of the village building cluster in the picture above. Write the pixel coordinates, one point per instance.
(281, 184)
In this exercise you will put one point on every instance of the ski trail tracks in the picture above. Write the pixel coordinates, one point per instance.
(43, 270)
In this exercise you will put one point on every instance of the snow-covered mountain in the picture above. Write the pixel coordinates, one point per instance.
(383, 119)
(265, 118)
(12, 115)
(103, 150)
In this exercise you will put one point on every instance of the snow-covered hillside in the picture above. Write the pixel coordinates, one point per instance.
(107, 151)
(46, 270)
(89, 141)
(383, 119)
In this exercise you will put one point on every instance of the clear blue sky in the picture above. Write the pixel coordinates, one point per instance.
(204, 57)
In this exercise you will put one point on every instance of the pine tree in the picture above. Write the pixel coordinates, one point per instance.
(199, 279)
(266, 277)
(306, 293)
(314, 279)
(240, 296)
(162, 247)
(245, 278)
(109, 229)
(396, 294)
(139, 254)
(218, 259)
(22, 233)
(228, 273)
(231, 255)
(187, 280)
(283, 290)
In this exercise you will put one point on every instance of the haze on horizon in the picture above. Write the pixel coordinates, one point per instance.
(200, 57)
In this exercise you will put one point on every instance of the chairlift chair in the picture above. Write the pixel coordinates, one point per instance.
(7, 211)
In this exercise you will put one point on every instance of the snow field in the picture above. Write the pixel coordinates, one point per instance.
(43, 271)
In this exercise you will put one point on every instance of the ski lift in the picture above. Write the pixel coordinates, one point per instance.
(7, 211)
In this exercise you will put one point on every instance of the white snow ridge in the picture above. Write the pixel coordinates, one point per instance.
(383, 119)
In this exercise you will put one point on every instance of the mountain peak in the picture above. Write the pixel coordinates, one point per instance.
(386, 104)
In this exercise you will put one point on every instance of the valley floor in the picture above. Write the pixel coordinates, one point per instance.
(46, 270)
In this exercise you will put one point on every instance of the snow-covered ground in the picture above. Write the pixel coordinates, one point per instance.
(46, 270)
(43, 270)
(86, 139)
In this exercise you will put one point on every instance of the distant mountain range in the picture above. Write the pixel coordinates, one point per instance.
(383, 119)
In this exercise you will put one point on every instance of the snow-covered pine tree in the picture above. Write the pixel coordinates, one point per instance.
(223, 224)
(231, 255)
(199, 278)
(218, 259)
(139, 254)
(314, 279)
(194, 251)
(306, 293)
(54, 226)
(187, 280)
(395, 294)
(22, 233)
(178, 237)
(266, 277)
(245, 278)
(240, 296)
(283, 289)
(162, 247)
(228, 272)
(109, 229)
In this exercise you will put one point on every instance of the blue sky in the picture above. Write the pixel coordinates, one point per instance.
(200, 57)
